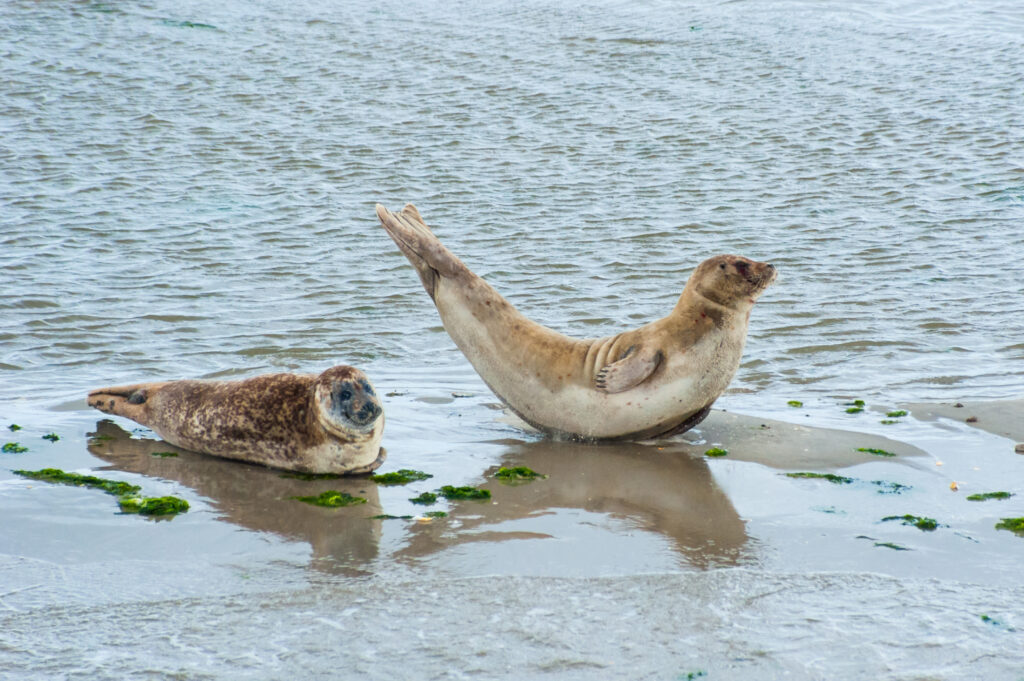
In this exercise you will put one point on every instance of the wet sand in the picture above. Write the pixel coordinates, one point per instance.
(626, 561)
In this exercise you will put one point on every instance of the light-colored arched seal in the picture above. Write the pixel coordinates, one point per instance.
(654, 381)
(331, 423)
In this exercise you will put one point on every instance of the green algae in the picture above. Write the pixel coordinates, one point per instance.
(921, 523)
(332, 499)
(400, 477)
(888, 422)
(895, 414)
(854, 410)
(310, 476)
(890, 545)
(876, 452)
(385, 516)
(1015, 525)
(989, 495)
(890, 487)
(716, 451)
(59, 477)
(425, 499)
(153, 505)
(164, 455)
(452, 493)
(14, 427)
(13, 448)
(52, 437)
(517, 474)
(834, 479)
(436, 514)
(795, 403)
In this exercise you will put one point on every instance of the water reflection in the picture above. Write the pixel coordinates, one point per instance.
(257, 498)
(657, 489)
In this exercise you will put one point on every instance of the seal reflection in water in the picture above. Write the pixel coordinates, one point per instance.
(654, 381)
(331, 423)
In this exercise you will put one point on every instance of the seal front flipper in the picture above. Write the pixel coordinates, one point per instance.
(635, 367)
(424, 250)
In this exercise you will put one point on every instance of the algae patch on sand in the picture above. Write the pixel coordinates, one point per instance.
(449, 492)
(517, 474)
(795, 403)
(876, 452)
(425, 499)
(400, 477)
(164, 455)
(52, 437)
(716, 451)
(921, 523)
(126, 493)
(834, 479)
(153, 505)
(13, 448)
(1015, 525)
(332, 499)
(886, 487)
(57, 476)
(989, 495)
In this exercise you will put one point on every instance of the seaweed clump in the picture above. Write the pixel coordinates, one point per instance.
(887, 487)
(425, 499)
(400, 477)
(153, 505)
(855, 407)
(795, 403)
(57, 476)
(436, 514)
(1015, 525)
(834, 479)
(449, 492)
(13, 448)
(332, 499)
(14, 427)
(989, 495)
(126, 493)
(921, 523)
(716, 451)
(876, 452)
(52, 437)
(517, 474)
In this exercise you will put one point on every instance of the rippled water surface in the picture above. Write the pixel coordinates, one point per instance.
(187, 190)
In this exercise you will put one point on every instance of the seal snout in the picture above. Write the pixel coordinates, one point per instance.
(361, 415)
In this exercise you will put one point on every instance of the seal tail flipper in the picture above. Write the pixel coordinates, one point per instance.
(128, 401)
(424, 250)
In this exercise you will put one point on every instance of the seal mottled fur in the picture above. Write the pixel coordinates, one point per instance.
(654, 381)
(327, 423)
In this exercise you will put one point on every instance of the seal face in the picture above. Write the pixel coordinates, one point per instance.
(654, 381)
(327, 423)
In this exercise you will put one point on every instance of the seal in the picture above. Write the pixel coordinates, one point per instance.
(651, 382)
(327, 423)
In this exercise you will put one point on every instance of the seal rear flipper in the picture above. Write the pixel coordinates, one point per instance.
(424, 250)
(635, 367)
(128, 401)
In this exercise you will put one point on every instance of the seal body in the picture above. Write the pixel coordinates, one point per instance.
(654, 381)
(326, 423)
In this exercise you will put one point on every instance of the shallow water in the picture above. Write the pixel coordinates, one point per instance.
(187, 190)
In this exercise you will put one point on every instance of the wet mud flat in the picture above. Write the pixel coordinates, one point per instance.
(790, 555)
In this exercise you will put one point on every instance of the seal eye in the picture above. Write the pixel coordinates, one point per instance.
(722, 266)
(345, 394)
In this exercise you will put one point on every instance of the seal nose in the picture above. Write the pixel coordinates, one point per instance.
(362, 414)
